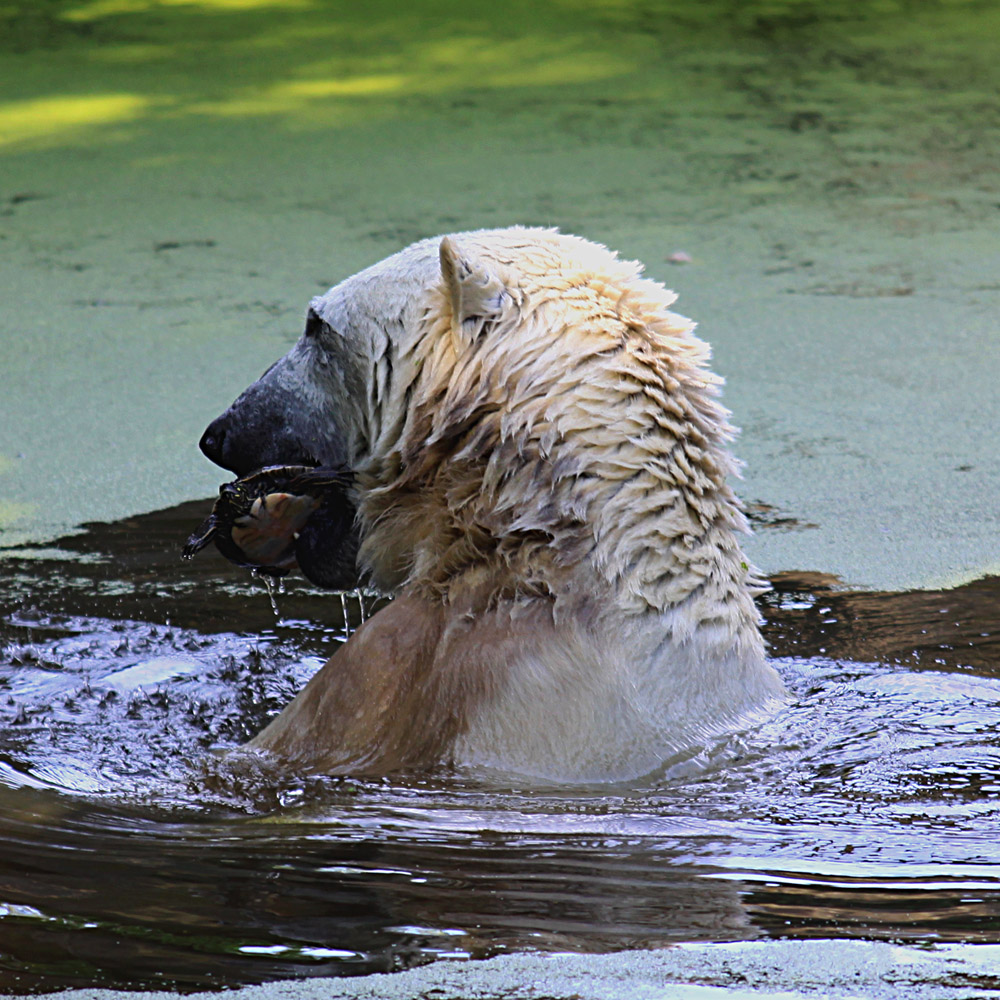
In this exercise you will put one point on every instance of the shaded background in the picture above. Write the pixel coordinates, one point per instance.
(177, 179)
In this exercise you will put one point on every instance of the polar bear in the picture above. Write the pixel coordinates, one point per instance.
(541, 476)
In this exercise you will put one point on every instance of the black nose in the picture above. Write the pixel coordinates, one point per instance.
(212, 442)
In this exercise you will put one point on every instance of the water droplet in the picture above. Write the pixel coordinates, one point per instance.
(269, 586)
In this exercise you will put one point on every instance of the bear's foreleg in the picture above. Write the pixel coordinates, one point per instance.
(387, 700)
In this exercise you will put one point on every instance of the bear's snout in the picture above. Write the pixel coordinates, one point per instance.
(234, 445)
(213, 441)
(245, 439)
(272, 423)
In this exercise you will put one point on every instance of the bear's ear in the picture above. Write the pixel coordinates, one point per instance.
(476, 295)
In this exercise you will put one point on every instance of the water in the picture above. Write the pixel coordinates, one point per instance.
(132, 857)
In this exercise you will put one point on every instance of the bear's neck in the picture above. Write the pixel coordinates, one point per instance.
(536, 455)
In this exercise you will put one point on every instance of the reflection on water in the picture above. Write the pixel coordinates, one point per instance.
(868, 808)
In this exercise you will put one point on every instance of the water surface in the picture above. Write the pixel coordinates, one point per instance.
(130, 857)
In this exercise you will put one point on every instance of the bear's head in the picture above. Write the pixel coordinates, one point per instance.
(326, 401)
(339, 397)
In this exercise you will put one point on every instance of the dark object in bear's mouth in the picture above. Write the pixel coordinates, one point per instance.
(283, 516)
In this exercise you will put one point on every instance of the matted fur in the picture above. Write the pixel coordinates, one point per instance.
(542, 470)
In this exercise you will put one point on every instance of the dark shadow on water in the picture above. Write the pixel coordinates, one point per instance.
(867, 809)
(957, 629)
